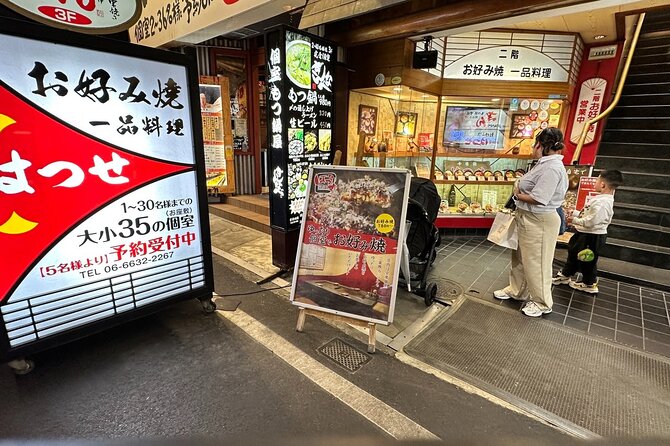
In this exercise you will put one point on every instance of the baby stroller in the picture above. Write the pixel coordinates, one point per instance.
(423, 237)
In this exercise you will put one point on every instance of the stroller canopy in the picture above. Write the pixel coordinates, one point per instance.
(425, 193)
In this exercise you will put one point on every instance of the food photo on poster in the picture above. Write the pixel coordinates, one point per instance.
(101, 205)
(348, 255)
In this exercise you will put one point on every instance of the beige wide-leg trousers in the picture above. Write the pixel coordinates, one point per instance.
(530, 276)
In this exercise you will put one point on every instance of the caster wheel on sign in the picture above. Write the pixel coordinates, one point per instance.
(21, 366)
(208, 306)
(431, 293)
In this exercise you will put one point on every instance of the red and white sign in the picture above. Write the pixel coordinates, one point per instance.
(87, 16)
(591, 95)
(586, 192)
(100, 207)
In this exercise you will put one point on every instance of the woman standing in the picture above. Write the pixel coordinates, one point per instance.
(537, 195)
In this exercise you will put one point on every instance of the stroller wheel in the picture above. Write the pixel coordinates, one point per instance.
(431, 293)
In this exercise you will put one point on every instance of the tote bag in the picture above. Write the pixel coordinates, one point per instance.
(503, 231)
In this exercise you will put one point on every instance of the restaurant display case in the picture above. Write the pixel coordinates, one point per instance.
(393, 126)
(484, 145)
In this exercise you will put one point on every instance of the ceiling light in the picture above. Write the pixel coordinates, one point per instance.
(599, 37)
(495, 100)
(397, 89)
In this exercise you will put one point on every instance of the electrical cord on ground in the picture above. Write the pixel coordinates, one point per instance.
(254, 292)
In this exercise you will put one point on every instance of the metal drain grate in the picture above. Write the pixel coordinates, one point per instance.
(594, 384)
(447, 290)
(344, 354)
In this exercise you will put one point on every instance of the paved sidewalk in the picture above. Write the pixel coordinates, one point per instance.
(636, 316)
(633, 315)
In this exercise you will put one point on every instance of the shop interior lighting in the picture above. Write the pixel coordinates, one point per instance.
(397, 89)
(599, 37)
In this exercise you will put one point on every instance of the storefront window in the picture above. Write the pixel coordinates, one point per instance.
(235, 69)
(484, 146)
(392, 126)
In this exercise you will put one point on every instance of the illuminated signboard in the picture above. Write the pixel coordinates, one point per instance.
(103, 208)
(87, 16)
(300, 117)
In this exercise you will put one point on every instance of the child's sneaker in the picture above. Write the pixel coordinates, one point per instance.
(581, 286)
(560, 279)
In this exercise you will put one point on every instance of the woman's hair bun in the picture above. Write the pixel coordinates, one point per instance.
(558, 146)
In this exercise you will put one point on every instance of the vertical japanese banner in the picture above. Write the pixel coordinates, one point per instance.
(300, 70)
(589, 104)
(351, 241)
(103, 211)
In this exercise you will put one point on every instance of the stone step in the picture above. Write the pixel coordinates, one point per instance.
(636, 136)
(636, 123)
(639, 232)
(638, 85)
(642, 165)
(651, 43)
(650, 99)
(642, 180)
(656, 110)
(658, 198)
(244, 217)
(257, 203)
(660, 65)
(641, 213)
(639, 253)
(633, 150)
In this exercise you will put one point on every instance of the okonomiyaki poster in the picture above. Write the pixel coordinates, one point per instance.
(349, 253)
(100, 211)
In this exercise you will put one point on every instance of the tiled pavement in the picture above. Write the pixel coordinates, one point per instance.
(629, 314)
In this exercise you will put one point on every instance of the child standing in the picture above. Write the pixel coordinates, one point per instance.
(590, 233)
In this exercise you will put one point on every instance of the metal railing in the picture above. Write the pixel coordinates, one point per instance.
(617, 96)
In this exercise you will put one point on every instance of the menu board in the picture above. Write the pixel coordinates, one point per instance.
(586, 192)
(211, 110)
(474, 128)
(300, 70)
(575, 174)
(349, 251)
(103, 210)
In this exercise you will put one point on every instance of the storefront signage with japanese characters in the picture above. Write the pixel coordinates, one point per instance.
(300, 117)
(507, 63)
(101, 181)
(193, 21)
(87, 16)
(591, 95)
(349, 250)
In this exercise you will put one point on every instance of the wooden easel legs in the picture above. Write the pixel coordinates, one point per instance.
(372, 327)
